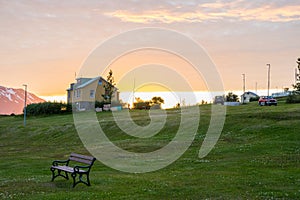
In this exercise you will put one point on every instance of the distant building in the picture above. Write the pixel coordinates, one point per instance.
(247, 96)
(86, 91)
(285, 93)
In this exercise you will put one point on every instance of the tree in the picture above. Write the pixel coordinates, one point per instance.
(141, 104)
(157, 100)
(203, 102)
(154, 103)
(294, 97)
(230, 97)
(109, 87)
(139, 100)
(297, 86)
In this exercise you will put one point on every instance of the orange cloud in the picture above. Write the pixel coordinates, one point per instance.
(211, 11)
(267, 13)
(162, 16)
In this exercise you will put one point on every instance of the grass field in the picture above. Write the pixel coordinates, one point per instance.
(256, 157)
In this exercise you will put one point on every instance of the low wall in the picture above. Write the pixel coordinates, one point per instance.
(231, 103)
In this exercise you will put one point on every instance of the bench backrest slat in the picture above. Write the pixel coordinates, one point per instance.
(82, 158)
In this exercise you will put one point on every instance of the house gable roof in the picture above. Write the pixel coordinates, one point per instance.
(79, 86)
(249, 93)
(88, 82)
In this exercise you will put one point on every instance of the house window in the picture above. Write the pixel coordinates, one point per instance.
(92, 93)
(77, 93)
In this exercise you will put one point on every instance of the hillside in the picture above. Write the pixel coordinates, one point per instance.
(256, 157)
(12, 100)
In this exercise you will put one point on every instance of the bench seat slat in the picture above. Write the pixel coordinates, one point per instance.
(66, 168)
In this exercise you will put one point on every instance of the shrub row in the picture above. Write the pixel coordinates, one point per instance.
(48, 108)
(294, 98)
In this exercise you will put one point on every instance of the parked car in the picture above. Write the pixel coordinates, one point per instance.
(219, 100)
(267, 101)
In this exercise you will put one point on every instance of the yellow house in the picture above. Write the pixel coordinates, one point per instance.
(86, 91)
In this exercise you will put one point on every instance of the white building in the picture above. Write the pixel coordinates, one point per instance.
(246, 97)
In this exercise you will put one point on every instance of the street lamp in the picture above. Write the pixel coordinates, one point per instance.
(269, 66)
(25, 99)
(244, 87)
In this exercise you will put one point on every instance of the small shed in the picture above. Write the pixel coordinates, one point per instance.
(248, 96)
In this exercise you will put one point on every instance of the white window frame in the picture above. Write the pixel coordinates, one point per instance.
(92, 93)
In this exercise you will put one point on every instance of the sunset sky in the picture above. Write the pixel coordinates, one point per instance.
(44, 43)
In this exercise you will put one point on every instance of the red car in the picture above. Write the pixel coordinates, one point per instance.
(267, 101)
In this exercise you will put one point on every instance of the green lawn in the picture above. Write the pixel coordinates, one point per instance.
(256, 157)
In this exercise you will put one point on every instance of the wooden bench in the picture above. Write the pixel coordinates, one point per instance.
(73, 166)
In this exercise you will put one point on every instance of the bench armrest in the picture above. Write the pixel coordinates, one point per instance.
(56, 162)
(78, 168)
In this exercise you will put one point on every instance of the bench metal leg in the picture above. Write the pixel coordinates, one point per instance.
(87, 182)
(74, 179)
(58, 174)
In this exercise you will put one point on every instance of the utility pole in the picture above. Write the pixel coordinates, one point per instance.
(269, 66)
(25, 103)
(255, 87)
(133, 90)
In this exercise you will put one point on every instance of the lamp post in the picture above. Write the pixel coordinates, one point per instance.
(244, 87)
(25, 102)
(269, 66)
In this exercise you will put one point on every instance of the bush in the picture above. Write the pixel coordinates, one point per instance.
(254, 99)
(293, 98)
(48, 108)
(142, 105)
(99, 104)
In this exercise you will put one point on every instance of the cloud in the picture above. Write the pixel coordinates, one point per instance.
(268, 13)
(235, 10)
(161, 16)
